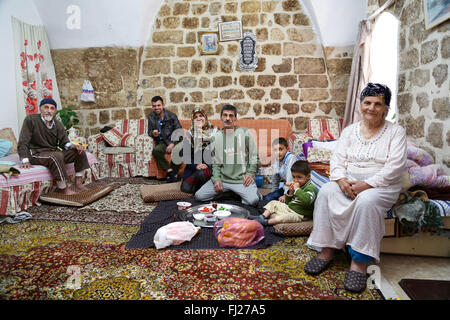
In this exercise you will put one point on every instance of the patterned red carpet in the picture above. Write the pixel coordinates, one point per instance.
(37, 256)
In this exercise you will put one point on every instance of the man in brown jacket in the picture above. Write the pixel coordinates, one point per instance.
(43, 141)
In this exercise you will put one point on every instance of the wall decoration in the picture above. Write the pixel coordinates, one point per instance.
(209, 43)
(248, 59)
(231, 30)
(436, 12)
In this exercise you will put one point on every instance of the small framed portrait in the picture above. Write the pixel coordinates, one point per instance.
(230, 30)
(209, 42)
(436, 12)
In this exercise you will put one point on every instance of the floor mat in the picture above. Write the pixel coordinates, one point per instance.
(418, 289)
(79, 199)
(166, 212)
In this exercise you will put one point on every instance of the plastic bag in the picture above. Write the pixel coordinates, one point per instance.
(174, 233)
(238, 232)
(87, 92)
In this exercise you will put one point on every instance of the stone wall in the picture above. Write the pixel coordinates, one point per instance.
(423, 90)
(295, 79)
(113, 73)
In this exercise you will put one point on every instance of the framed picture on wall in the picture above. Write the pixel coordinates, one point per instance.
(231, 30)
(436, 12)
(209, 42)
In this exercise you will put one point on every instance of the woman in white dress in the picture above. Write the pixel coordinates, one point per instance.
(365, 181)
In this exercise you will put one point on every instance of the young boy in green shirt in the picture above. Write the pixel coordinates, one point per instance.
(300, 199)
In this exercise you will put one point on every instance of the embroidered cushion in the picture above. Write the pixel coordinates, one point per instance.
(319, 155)
(115, 138)
(296, 140)
(317, 126)
(118, 150)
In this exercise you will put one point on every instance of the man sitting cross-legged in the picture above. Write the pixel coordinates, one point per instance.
(235, 162)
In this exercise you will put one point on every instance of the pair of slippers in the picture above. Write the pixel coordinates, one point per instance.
(354, 281)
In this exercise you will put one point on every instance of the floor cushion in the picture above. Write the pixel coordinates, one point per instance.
(162, 192)
(303, 228)
(77, 200)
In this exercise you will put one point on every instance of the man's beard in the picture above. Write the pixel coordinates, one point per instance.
(48, 118)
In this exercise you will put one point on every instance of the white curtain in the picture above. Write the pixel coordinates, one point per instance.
(359, 75)
(35, 73)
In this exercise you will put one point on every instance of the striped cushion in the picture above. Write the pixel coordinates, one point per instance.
(317, 126)
(36, 173)
(135, 127)
(443, 206)
(318, 180)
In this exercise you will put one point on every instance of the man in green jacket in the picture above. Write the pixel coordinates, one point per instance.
(235, 162)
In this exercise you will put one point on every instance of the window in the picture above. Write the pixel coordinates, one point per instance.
(384, 57)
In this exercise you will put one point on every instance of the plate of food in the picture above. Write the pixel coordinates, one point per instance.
(221, 214)
(224, 207)
(206, 209)
(198, 216)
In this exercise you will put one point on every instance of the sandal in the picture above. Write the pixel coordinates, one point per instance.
(316, 266)
(355, 281)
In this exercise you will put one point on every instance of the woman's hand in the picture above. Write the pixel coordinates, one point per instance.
(352, 188)
(359, 186)
(346, 187)
(201, 166)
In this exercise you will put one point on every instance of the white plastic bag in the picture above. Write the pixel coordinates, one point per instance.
(87, 93)
(174, 233)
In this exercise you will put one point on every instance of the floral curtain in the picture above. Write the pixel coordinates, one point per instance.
(35, 73)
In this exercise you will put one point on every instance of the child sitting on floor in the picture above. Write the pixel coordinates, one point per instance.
(300, 199)
(281, 170)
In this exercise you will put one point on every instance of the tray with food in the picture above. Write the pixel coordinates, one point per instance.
(207, 215)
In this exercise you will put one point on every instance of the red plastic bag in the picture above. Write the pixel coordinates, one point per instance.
(326, 135)
(238, 232)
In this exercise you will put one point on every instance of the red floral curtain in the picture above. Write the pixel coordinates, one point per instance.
(35, 74)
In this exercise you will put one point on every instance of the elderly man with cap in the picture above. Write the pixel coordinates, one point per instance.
(43, 141)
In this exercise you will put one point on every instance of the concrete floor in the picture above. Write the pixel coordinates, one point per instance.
(393, 268)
